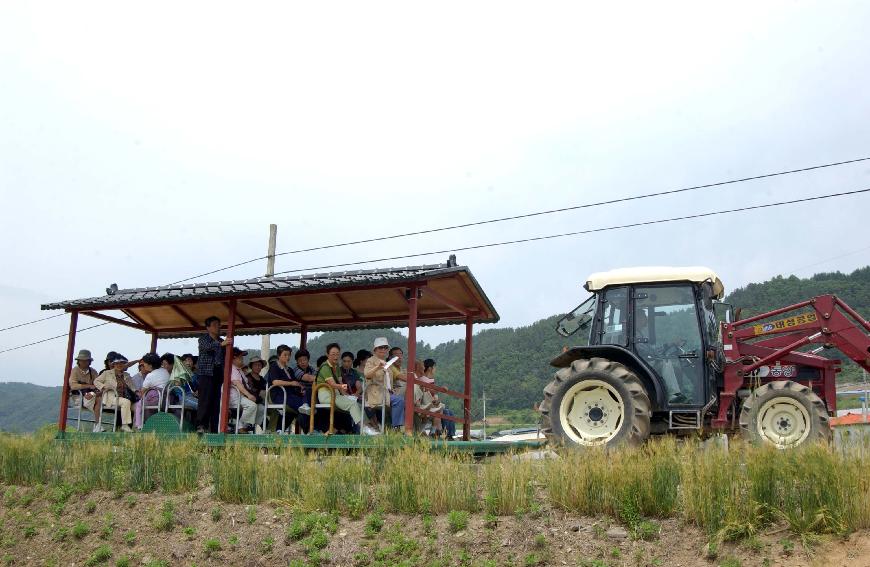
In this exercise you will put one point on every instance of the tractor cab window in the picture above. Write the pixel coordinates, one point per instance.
(667, 335)
(614, 317)
(579, 318)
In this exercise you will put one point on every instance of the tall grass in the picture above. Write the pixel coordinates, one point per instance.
(730, 493)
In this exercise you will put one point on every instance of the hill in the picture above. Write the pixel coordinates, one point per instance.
(27, 407)
(510, 364)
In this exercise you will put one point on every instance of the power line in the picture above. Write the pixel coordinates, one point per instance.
(579, 232)
(533, 214)
(826, 260)
(54, 337)
(531, 239)
(31, 322)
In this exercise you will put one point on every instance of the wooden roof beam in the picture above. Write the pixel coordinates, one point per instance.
(110, 319)
(346, 306)
(184, 315)
(291, 317)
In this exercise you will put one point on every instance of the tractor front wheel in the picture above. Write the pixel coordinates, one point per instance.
(785, 414)
(596, 402)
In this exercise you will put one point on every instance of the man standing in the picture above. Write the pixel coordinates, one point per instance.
(81, 380)
(210, 374)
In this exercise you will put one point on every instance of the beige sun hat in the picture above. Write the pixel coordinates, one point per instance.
(84, 354)
(381, 342)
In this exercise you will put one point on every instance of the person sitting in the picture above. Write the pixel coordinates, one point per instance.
(81, 380)
(157, 370)
(397, 377)
(253, 377)
(265, 369)
(330, 374)
(247, 399)
(321, 360)
(427, 400)
(304, 373)
(349, 375)
(378, 392)
(114, 385)
(280, 374)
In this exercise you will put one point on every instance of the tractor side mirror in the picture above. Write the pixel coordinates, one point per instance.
(724, 312)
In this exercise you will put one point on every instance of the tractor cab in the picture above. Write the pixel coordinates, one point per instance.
(660, 324)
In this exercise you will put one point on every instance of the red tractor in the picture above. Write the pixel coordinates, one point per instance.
(663, 354)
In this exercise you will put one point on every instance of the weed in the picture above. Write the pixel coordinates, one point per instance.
(8, 560)
(647, 530)
(108, 526)
(212, 547)
(532, 559)
(540, 542)
(60, 534)
(100, 555)
(216, 514)
(123, 561)
(165, 520)
(130, 500)
(730, 562)
(593, 563)
(374, 523)
(80, 530)
(233, 542)
(490, 521)
(754, 544)
(457, 520)
(787, 546)
(91, 507)
(251, 513)
(157, 563)
(266, 545)
(616, 553)
(130, 538)
(29, 532)
(317, 540)
(189, 532)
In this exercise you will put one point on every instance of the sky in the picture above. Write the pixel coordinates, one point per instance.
(145, 143)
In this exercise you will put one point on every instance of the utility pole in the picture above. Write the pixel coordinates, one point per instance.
(484, 414)
(265, 348)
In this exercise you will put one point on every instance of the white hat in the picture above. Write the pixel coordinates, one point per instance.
(381, 341)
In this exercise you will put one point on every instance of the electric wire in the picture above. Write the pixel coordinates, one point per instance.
(533, 214)
(530, 239)
(580, 232)
(31, 322)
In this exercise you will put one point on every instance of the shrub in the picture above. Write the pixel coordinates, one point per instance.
(100, 555)
(80, 530)
(212, 547)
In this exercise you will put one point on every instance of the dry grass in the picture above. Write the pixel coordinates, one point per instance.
(731, 494)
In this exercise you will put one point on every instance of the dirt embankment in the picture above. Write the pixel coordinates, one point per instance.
(194, 529)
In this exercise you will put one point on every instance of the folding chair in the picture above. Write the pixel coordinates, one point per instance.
(315, 406)
(146, 406)
(112, 410)
(171, 387)
(238, 407)
(282, 408)
(79, 404)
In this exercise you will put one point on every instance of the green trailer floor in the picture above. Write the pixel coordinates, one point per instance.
(312, 441)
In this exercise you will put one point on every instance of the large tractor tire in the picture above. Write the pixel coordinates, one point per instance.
(785, 414)
(595, 403)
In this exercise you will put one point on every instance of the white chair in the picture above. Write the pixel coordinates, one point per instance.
(282, 408)
(112, 410)
(155, 407)
(77, 402)
(168, 405)
(238, 406)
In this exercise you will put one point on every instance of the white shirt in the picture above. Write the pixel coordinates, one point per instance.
(235, 376)
(157, 378)
(138, 380)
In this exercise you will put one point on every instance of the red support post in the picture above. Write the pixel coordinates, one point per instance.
(228, 367)
(466, 403)
(303, 337)
(70, 353)
(410, 361)
(153, 343)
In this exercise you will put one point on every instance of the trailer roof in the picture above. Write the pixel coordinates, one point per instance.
(318, 302)
(655, 274)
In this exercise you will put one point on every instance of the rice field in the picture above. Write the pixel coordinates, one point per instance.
(731, 494)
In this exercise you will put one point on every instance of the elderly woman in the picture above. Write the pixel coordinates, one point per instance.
(425, 399)
(114, 384)
(378, 392)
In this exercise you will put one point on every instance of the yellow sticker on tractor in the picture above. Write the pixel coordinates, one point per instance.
(784, 324)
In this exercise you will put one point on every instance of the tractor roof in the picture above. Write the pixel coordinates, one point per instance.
(655, 274)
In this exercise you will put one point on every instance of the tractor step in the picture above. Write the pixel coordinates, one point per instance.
(684, 419)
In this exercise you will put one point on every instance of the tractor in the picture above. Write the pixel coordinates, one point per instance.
(661, 353)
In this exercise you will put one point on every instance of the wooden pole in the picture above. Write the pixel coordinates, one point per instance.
(154, 342)
(228, 368)
(466, 403)
(303, 337)
(70, 353)
(410, 362)
(265, 348)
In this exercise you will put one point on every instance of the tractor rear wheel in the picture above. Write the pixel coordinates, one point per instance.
(596, 402)
(785, 414)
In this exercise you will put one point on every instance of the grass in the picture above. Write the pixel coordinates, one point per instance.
(457, 520)
(731, 495)
(100, 555)
(211, 547)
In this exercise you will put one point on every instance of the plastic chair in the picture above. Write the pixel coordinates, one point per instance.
(171, 387)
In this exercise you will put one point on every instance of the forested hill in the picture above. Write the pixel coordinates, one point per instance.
(780, 291)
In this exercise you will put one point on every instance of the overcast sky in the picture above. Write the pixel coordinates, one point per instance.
(141, 144)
